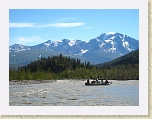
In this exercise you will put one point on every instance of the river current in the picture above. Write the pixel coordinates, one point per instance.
(75, 93)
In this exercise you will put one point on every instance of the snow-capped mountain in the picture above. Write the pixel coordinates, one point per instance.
(105, 47)
(117, 43)
(18, 47)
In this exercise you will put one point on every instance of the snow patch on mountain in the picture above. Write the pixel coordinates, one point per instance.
(126, 45)
(112, 38)
(72, 42)
(83, 51)
(101, 45)
(111, 33)
(47, 44)
(56, 43)
(98, 39)
(108, 34)
(120, 53)
(123, 38)
(87, 41)
(107, 41)
(113, 49)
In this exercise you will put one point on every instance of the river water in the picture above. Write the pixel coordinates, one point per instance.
(75, 93)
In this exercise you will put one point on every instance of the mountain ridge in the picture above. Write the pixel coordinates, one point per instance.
(102, 48)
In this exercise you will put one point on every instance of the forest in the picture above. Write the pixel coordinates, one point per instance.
(63, 67)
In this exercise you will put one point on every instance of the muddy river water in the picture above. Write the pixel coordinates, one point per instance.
(75, 93)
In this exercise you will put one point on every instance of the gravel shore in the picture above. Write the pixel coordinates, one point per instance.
(27, 82)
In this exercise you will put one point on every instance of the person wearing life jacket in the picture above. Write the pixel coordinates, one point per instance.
(106, 81)
(88, 81)
(97, 80)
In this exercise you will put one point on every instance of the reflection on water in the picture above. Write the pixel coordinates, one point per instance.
(75, 93)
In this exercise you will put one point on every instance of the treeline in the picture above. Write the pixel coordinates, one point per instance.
(63, 67)
(121, 72)
(55, 64)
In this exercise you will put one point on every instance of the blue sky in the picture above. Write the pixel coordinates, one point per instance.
(35, 26)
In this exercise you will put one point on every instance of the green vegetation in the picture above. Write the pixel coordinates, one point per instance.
(62, 67)
(122, 68)
(21, 58)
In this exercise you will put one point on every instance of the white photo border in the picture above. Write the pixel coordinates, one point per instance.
(142, 109)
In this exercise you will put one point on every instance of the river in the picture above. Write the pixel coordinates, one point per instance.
(75, 93)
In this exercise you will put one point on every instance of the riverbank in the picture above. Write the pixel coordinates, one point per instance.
(27, 82)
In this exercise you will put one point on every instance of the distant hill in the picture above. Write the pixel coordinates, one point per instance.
(17, 59)
(130, 58)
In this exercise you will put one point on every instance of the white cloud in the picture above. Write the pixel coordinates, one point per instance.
(28, 40)
(75, 24)
(19, 25)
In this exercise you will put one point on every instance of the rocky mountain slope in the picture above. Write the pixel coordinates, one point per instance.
(102, 48)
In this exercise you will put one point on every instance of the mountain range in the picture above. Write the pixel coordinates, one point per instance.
(100, 49)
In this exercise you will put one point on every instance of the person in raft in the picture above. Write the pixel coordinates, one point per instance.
(88, 81)
(97, 80)
(106, 81)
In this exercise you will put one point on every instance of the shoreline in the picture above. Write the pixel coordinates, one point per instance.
(27, 82)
